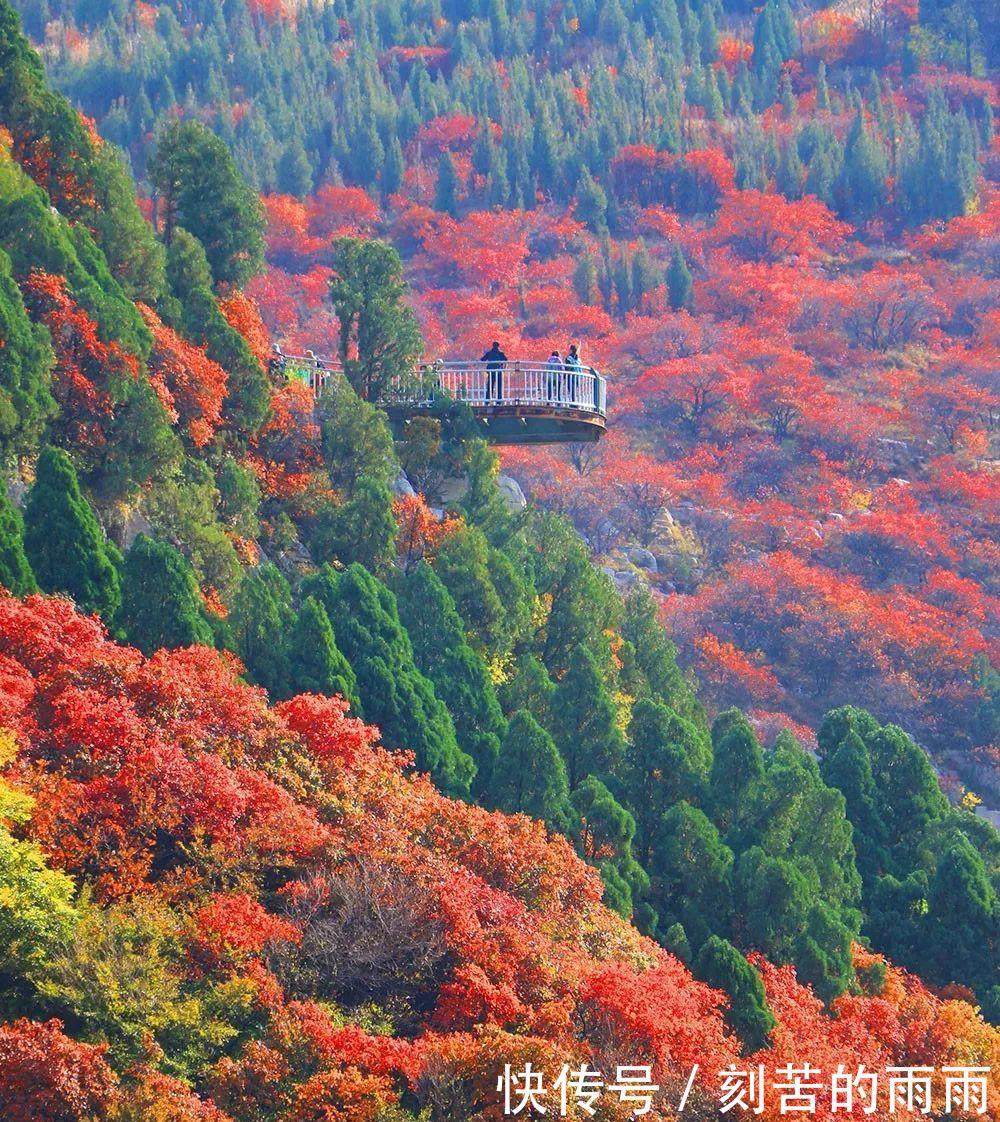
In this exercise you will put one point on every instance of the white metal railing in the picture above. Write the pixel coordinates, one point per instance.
(479, 384)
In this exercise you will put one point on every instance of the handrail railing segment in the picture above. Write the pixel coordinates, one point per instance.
(480, 384)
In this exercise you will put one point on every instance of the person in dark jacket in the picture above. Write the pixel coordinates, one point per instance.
(494, 359)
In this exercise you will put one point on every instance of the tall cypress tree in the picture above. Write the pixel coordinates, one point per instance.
(446, 192)
(722, 966)
(361, 530)
(530, 776)
(315, 664)
(680, 287)
(767, 57)
(584, 721)
(791, 173)
(161, 604)
(666, 760)
(592, 203)
(693, 868)
(64, 543)
(459, 674)
(15, 572)
(394, 694)
(849, 768)
(737, 766)
(201, 189)
(605, 838)
(25, 358)
(964, 918)
(260, 617)
(822, 90)
(585, 278)
(861, 189)
(529, 687)
(938, 172)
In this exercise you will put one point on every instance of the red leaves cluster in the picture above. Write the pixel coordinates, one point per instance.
(420, 530)
(651, 1014)
(47, 1077)
(762, 227)
(287, 456)
(87, 371)
(693, 182)
(190, 386)
(128, 754)
(243, 315)
(455, 132)
(233, 925)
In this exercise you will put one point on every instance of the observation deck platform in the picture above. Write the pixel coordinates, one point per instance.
(515, 403)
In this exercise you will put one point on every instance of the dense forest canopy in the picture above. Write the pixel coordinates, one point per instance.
(333, 774)
(775, 226)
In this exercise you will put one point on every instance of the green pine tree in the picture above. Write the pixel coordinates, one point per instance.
(722, 966)
(822, 90)
(605, 838)
(361, 530)
(294, 170)
(692, 874)
(530, 688)
(394, 169)
(161, 603)
(592, 204)
(368, 294)
(667, 760)
(15, 572)
(394, 694)
(790, 175)
(461, 679)
(200, 189)
(680, 287)
(585, 278)
(963, 919)
(315, 664)
(463, 565)
(446, 192)
(737, 767)
(861, 190)
(26, 400)
(63, 541)
(530, 777)
(585, 721)
(260, 618)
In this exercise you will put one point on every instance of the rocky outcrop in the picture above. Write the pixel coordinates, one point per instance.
(511, 491)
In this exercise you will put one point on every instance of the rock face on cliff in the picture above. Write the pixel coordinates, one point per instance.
(511, 491)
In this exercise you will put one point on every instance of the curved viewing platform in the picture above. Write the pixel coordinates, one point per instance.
(515, 402)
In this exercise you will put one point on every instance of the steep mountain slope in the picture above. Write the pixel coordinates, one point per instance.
(316, 931)
(775, 228)
(279, 915)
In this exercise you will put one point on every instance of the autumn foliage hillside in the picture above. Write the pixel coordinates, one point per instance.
(334, 775)
(818, 425)
(278, 917)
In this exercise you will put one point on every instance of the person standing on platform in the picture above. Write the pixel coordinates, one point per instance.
(554, 376)
(494, 359)
(573, 369)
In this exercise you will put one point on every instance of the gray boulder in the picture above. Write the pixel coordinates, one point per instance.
(401, 486)
(626, 580)
(643, 559)
(511, 491)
